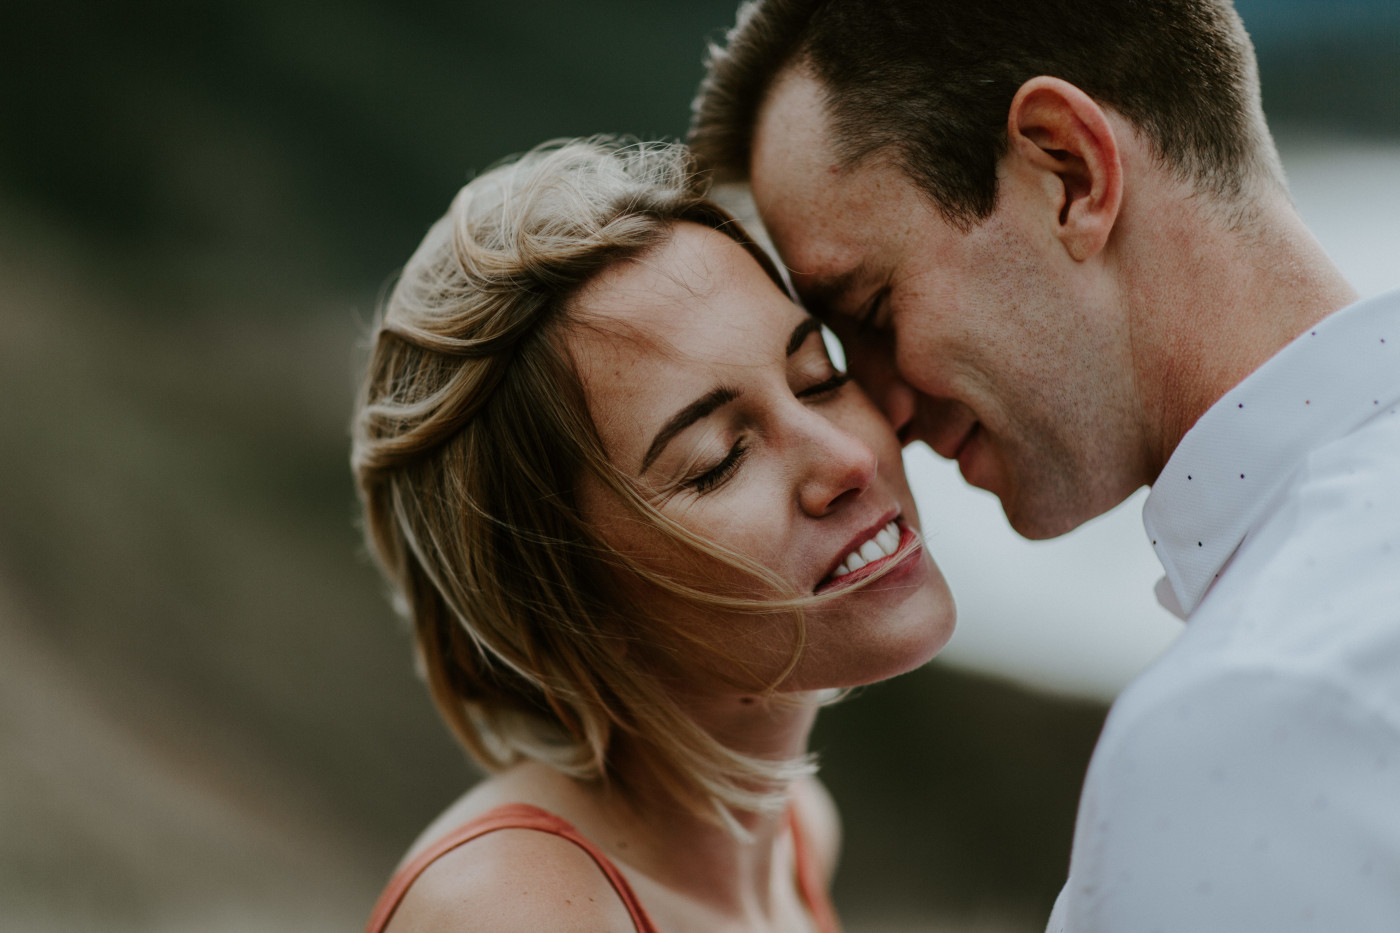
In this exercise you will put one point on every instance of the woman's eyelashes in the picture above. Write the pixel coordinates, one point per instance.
(717, 474)
(811, 374)
(828, 385)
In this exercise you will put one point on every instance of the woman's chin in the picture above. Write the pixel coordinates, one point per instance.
(891, 643)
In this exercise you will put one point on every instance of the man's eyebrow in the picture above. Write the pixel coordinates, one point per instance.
(819, 295)
(704, 405)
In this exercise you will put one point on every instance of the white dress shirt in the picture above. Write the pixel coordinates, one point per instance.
(1250, 779)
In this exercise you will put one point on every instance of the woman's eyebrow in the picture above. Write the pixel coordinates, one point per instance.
(704, 405)
(801, 332)
(716, 398)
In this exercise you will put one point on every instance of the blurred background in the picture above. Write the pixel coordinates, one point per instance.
(208, 718)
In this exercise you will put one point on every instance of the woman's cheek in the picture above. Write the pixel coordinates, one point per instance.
(755, 521)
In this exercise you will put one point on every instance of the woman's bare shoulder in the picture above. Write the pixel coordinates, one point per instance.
(512, 881)
(525, 782)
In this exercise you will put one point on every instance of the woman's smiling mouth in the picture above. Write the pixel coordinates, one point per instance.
(871, 555)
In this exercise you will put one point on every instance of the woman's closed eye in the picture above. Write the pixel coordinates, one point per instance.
(714, 475)
(826, 386)
(811, 377)
(811, 374)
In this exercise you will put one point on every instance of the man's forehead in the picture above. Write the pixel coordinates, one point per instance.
(792, 123)
(791, 164)
(816, 210)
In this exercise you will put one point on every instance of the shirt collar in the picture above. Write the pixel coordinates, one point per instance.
(1324, 384)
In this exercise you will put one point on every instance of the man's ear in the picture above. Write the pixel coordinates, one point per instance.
(1060, 135)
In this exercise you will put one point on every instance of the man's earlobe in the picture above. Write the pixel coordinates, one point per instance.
(1063, 137)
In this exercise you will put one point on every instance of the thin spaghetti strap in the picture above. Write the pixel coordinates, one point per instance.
(809, 879)
(509, 816)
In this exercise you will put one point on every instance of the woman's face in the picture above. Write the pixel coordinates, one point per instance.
(715, 392)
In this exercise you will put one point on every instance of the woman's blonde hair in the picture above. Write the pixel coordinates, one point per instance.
(471, 435)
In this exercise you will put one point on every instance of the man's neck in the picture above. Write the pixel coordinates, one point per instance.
(1209, 305)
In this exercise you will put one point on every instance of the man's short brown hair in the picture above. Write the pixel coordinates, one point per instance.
(929, 84)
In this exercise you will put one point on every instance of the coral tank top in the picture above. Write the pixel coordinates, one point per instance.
(524, 816)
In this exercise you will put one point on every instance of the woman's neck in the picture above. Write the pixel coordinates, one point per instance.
(696, 857)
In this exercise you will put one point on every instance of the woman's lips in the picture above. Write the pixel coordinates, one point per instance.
(907, 537)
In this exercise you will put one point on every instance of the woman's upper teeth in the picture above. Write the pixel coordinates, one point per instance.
(885, 543)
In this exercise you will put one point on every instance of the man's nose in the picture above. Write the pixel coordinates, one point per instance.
(899, 404)
(876, 374)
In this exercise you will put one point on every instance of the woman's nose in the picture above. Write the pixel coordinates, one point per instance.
(839, 465)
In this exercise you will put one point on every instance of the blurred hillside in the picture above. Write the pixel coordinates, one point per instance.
(208, 719)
